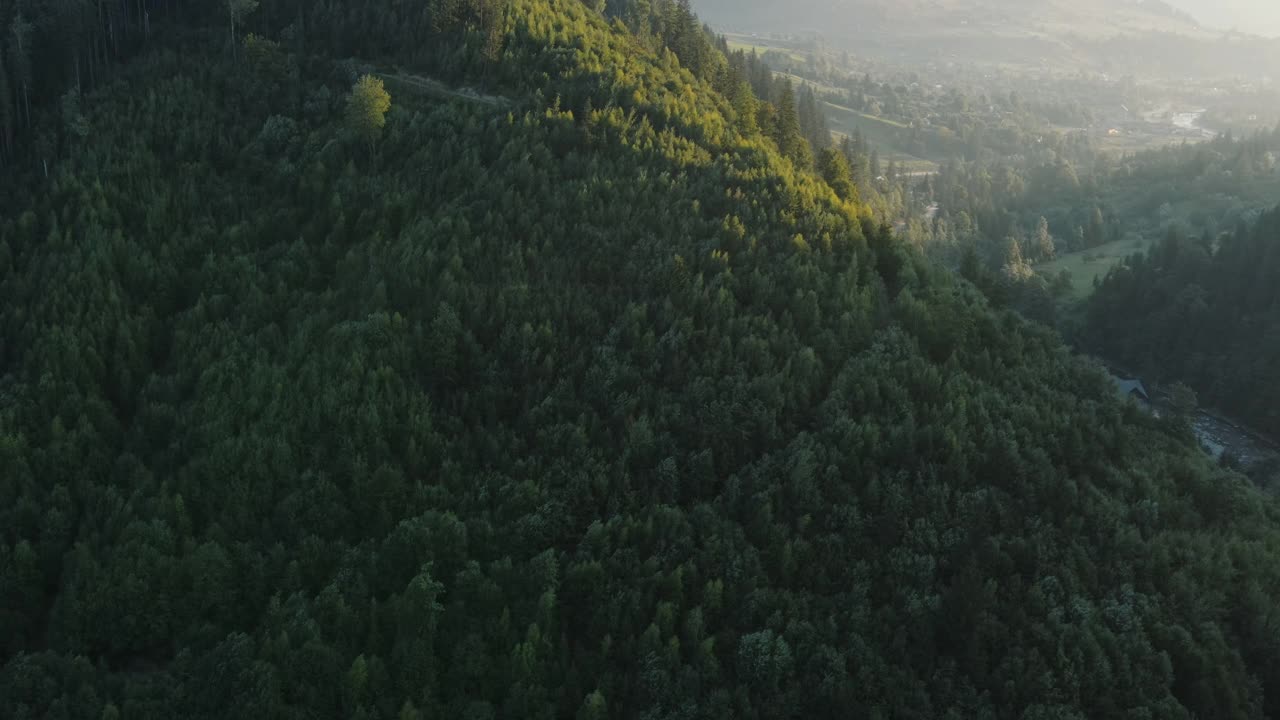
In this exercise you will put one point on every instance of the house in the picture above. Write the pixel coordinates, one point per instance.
(1133, 389)
(1113, 132)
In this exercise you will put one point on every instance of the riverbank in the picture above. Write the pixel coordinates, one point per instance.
(1222, 436)
(1219, 435)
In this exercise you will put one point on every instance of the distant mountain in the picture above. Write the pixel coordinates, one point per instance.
(1261, 17)
(1138, 36)
(1093, 18)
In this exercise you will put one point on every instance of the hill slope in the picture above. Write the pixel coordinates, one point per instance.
(585, 403)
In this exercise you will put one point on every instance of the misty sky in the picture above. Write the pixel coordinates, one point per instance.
(1255, 16)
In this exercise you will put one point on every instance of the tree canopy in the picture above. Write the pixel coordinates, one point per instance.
(367, 108)
(1204, 311)
(587, 401)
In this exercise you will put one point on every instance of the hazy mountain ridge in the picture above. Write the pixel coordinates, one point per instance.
(1120, 36)
(1251, 16)
(1091, 17)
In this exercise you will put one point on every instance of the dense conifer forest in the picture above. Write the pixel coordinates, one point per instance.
(1205, 311)
(510, 359)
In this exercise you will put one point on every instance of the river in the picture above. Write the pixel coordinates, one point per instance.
(1219, 435)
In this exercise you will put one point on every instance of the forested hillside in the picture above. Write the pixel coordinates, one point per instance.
(1205, 312)
(568, 392)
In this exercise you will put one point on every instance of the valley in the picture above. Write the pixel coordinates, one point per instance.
(1109, 166)
(1051, 130)
(1120, 115)
(1148, 39)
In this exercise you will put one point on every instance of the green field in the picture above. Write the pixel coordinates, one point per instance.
(886, 136)
(763, 45)
(820, 88)
(1086, 265)
(883, 135)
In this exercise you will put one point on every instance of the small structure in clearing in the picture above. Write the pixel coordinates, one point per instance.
(1132, 389)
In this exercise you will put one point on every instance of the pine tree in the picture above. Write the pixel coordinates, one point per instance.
(812, 122)
(238, 10)
(746, 107)
(787, 132)
(593, 708)
(6, 112)
(1044, 241)
(835, 170)
(1015, 265)
(19, 52)
(823, 131)
(1096, 233)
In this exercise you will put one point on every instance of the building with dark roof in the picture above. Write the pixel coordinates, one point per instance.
(1132, 389)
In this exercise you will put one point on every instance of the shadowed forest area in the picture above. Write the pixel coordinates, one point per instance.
(611, 398)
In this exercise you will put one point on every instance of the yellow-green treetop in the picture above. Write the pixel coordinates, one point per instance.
(367, 107)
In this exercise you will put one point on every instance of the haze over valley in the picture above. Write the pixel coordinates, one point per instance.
(1147, 38)
(1259, 17)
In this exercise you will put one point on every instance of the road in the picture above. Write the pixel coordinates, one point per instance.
(435, 88)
